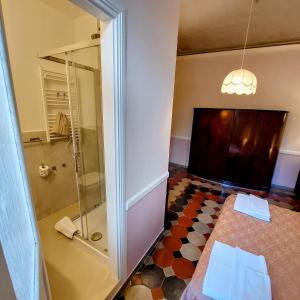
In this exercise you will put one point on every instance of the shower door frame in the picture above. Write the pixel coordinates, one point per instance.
(113, 66)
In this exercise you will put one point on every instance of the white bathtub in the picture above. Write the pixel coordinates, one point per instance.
(96, 222)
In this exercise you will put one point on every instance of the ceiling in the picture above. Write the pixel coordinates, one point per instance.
(216, 25)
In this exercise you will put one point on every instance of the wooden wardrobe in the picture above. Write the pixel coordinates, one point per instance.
(236, 146)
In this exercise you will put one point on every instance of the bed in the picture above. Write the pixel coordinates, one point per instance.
(278, 241)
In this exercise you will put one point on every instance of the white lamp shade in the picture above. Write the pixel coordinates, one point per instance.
(239, 82)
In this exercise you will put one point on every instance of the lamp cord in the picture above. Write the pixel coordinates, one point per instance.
(247, 32)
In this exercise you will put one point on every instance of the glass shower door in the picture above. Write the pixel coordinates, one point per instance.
(83, 76)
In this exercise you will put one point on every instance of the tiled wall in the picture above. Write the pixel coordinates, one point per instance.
(57, 190)
(91, 148)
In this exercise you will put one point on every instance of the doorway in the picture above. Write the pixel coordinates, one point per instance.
(113, 170)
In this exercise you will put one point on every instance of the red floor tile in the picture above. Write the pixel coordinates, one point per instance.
(157, 293)
(183, 268)
(179, 231)
(193, 205)
(200, 194)
(191, 213)
(212, 197)
(172, 243)
(185, 221)
(163, 257)
(197, 200)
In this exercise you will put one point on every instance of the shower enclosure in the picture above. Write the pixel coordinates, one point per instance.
(82, 70)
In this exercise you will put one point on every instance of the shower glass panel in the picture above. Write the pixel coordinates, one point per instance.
(83, 74)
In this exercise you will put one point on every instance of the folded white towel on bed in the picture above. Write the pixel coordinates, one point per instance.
(233, 273)
(252, 285)
(220, 273)
(252, 206)
(66, 227)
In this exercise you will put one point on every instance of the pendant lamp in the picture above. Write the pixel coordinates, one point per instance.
(241, 81)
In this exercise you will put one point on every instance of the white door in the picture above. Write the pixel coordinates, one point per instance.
(18, 231)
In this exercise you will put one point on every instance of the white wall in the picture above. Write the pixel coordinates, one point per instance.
(199, 79)
(85, 25)
(152, 28)
(198, 84)
(151, 54)
(34, 26)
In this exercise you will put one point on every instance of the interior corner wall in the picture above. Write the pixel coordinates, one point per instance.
(198, 84)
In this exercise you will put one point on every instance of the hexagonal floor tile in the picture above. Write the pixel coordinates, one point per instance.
(168, 271)
(173, 288)
(183, 268)
(190, 251)
(185, 221)
(171, 216)
(191, 213)
(174, 192)
(211, 203)
(201, 227)
(196, 238)
(181, 201)
(163, 257)
(194, 204)
(172, 243)
(208, 210)
(206, 219)
(138, 292)
(196, 182)
(179, 231)
(148, 261)
(157, 293)
(152, 276)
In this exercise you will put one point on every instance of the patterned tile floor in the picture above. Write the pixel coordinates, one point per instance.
(194, 205)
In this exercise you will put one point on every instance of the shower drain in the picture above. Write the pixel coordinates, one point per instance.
(96, 236)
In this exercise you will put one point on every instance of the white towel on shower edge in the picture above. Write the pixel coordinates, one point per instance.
(66, 227)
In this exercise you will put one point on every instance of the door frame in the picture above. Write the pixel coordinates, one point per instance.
(113, 66)
(113, 59)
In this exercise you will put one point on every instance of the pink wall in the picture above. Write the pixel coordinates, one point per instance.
(179, 151)
(145, 221)
(285, 173)
(286, 170)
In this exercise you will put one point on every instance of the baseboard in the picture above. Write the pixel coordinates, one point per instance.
(283, 188)
(289, 152)
(181, 137)
(139, 264)
(172, 164)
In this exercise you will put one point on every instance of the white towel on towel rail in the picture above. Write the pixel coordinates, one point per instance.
(61, 125)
